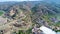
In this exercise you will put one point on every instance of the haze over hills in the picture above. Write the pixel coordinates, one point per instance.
(23, 17)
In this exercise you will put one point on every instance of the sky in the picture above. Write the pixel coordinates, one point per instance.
(19, 0)
(57, 1)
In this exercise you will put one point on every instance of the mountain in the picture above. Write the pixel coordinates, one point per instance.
(22, 17)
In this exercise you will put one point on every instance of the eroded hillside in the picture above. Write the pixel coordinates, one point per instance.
(22, 17)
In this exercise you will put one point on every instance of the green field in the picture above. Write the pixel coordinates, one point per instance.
(1, 12)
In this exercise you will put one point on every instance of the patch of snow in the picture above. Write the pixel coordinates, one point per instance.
(47, 30)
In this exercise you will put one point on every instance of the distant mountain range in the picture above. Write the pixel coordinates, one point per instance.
(30, 4)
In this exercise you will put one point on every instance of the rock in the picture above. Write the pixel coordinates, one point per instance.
(53, 19)
(3, 20)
